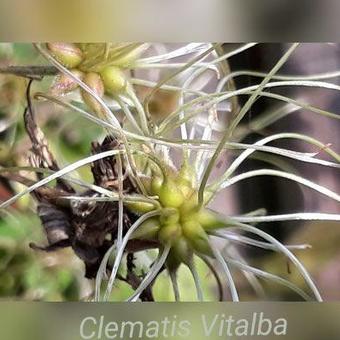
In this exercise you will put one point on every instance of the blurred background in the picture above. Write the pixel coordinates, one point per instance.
(27, 274)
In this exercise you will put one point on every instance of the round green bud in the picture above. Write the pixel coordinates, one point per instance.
(148, 230)
(197, 237)
(189, 206)
(114, 80)
(182, 250)
(156, 185)
(169, 233)
(169, 216)
(67, 54)
(170, 195)
(208, 220)
(191, 229)
(93, 81)
(185, 179)
(139, 207)
(186, 175)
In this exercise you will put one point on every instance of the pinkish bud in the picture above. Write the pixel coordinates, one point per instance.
(67, 54)
(94, 81)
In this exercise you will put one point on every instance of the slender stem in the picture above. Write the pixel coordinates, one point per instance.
(245, 154)
(120, 251)
(182, 51)
(229, 277)
(237, 119)
(318, 76)
(140, 110)
(196, 278)
(288, 217)
(58, 174)
(268, 172)
(303, 271)
(120, 202)
(215, 98)
(166, 79)
(197, 144)
(251, 277)
(128, 115)
(268, 277)
(151, 275)
(230, 236)
(174, 282)
(216, 276)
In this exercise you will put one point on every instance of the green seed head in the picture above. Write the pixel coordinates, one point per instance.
(208, 220)
(186, 175)
(189, 206)
(181, 252)
(156, 185)
(185, 179)
(170, 194)
(197, 237)
(169, 216)
(66, 53)
(94, 81)
(140, 208)
(169, 233)
(182, 223)
(114, 80)
(117, 54)
(147, 230)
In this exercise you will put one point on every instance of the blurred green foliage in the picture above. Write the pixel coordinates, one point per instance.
(29, 274)
(26, 273)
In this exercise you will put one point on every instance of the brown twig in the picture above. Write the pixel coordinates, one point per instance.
(31, 72)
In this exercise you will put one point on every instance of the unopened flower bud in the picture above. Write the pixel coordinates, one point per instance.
(186, 174)
(169, 215)
(209, 221)
(147, 230)
(156, 185)
(140, 208)
(67, 54)
(170, 195)
(183, 250)
(114, 80)
(93, 81)
(189, 205)
(64, 84)
(197, 237)
(169, 233)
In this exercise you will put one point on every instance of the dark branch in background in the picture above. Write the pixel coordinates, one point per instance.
(89, 228)
(135, 280)
(32, 72)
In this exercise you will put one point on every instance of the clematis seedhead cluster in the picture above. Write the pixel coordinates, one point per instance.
(152, 178)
